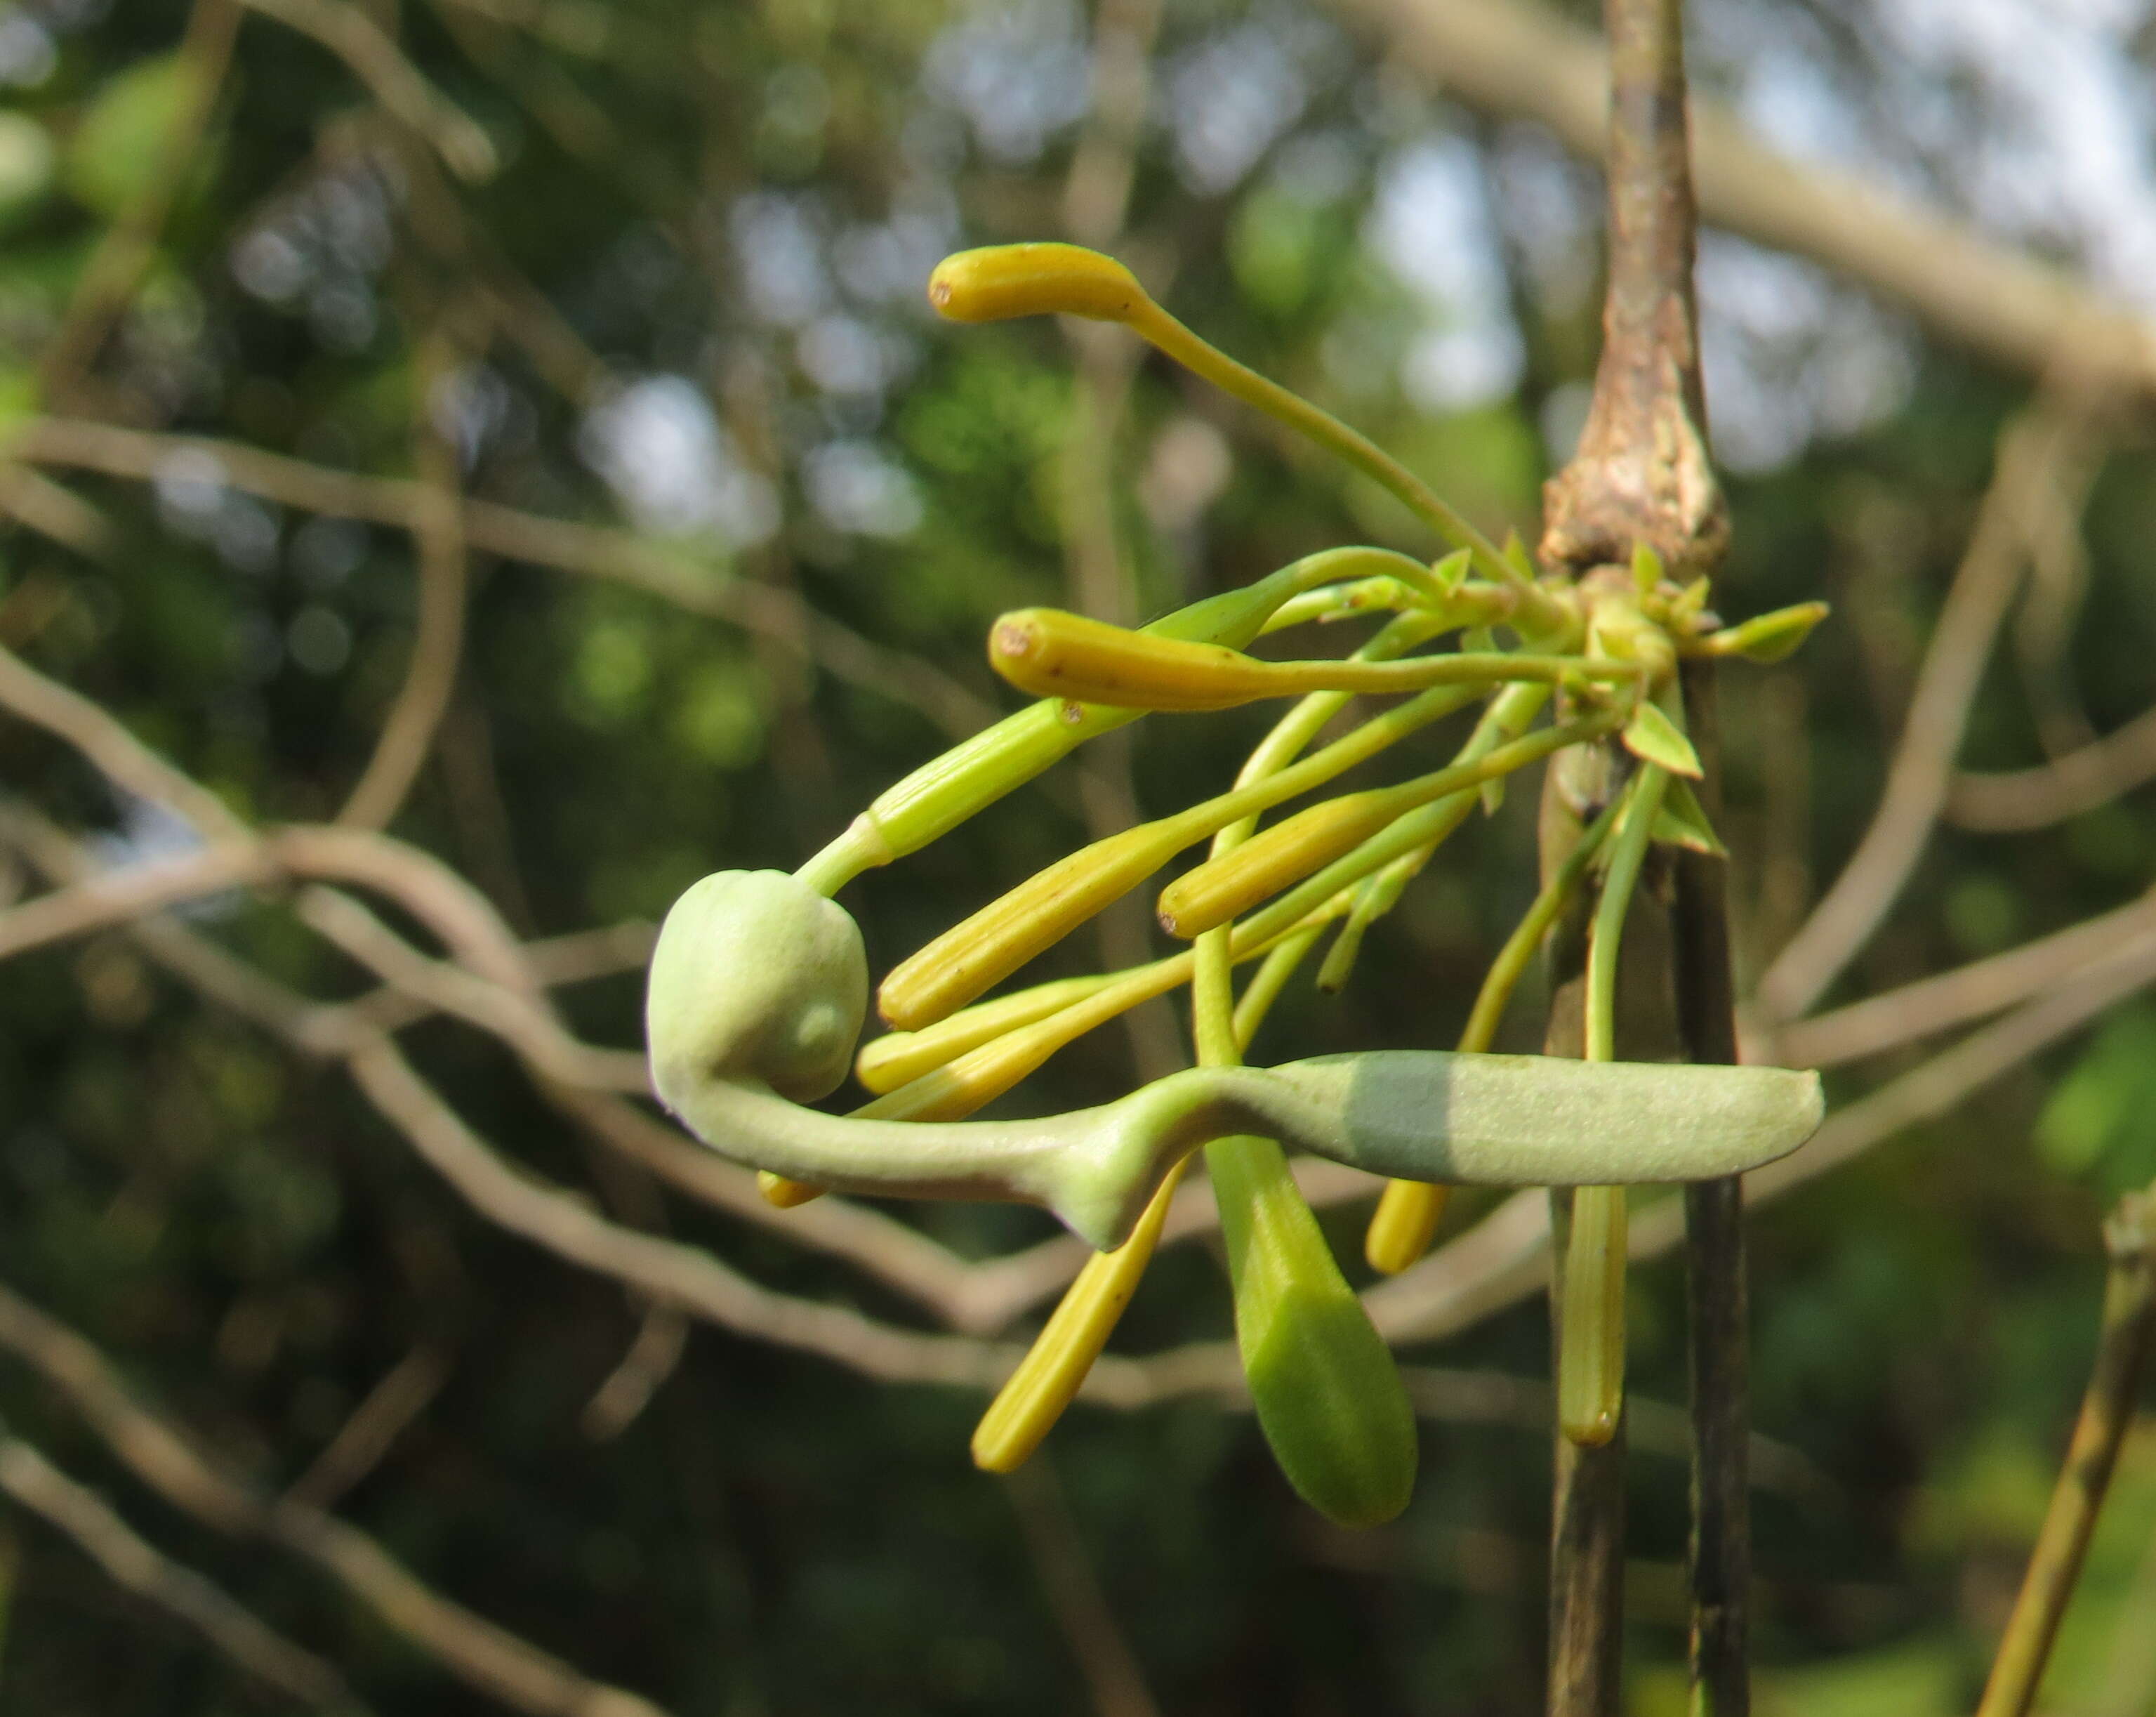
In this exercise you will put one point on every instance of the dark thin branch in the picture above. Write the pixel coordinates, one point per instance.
(1642, 476)
(1717, 1289)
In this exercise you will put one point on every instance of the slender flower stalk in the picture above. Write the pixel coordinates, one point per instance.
(1006, 280)
(1591, 1365)
(1410, 1210)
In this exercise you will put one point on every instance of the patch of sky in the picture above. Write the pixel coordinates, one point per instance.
(1789, 356)
(1017, 73)
(1233, 93)
(778, 249)
(316, 251)
(673, 467)
(889, 262)
(1550, 207)
(2035, 118)
(1429, 223)
(474, 408)
(28, 56)
(2059, 151)
(195, 502)
(856, 487)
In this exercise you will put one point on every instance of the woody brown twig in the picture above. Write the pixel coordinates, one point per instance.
(2127, 1335)
(1642, 476)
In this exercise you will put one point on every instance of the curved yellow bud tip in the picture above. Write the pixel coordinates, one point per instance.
(1049, 1377)
(1403, 1223)
(1003, 281)
(779, 1190)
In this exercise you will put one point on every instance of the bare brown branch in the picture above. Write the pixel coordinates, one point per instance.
(483, 1656)
(136, 1566)
(372, 58)
(399, 1396)
(1072, 1587)
(1983, 987)
(2034, 451)
(674, 576)
(430, 676)
(2014, 801)
(662, 1337)
(2124, 1340)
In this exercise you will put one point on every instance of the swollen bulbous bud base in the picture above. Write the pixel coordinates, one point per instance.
(756, 977)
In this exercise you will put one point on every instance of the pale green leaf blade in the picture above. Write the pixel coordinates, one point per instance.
(1653, 737)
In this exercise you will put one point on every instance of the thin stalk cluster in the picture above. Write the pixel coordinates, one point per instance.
(1543, 663)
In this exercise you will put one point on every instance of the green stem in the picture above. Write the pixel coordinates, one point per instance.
(1163, 330)
(1591, 1360)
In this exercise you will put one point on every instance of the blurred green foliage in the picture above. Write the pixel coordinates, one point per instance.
(691, 299)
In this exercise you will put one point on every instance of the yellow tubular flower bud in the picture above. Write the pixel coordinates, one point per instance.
(1000, 281)
(783, 1192)
(1224, 888)
(980, 1075)
(1033, 1398)
(973, 774)
(1005, 280)
(1403, 1225)
(1034, 917)
(973, 956)
(1053, 654)
(897, 1056)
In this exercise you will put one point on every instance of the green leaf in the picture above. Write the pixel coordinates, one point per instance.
(1653, 737)
(1681, 822)
(1449, 572)
(1516, 556)
(1770, 637)
(1646, 568)
(1328, 1394)
(119, 146)
(26, 165)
